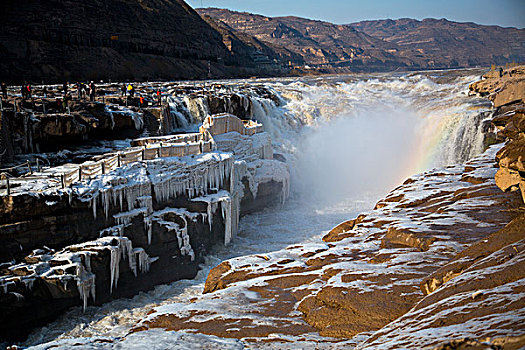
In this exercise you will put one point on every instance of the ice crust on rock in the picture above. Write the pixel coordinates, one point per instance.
(183, 238)
(77, 258)
(264, 171)
(136, 117)
(229, 209)
(134, 190)
(362, 265)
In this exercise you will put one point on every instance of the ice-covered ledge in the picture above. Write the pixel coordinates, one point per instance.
(113, 234)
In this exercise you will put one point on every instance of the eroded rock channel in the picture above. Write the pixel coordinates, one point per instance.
(435, 263)
(126, 220)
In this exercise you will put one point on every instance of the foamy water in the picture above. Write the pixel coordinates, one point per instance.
(349, 140)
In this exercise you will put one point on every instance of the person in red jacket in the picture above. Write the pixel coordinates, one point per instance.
(159, 96)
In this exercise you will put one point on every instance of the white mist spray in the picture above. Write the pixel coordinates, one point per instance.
(354, 155)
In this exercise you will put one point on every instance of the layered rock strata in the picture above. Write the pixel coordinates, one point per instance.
(115, 234)
(41, 124)
(506, 90)
(123, 39)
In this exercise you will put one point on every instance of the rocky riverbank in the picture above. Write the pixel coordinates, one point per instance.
(44, 127)
(125, 221)
(437, 264)
(506, 90)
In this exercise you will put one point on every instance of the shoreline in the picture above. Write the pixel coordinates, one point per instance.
(327, 289)
(386, 238)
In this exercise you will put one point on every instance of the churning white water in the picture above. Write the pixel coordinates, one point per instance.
(348, 141)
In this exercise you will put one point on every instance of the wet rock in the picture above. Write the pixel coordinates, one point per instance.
(504, 90)
(405, 238)
(510, 343)
(511, 233)
(352, 282)
(341, 231)
(507, 91)
(482, 296)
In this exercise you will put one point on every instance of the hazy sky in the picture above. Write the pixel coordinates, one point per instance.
(506, 13)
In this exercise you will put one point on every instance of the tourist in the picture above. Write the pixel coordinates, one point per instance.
(28, 90)
(80, 90)
(131, 90)
(65, 101)
(4, 90)
(159, 97)
(65, 88)
(23, 90)
(44, 91)
(123, 90)
(92, 91)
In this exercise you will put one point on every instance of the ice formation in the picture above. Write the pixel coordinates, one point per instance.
(74, 264)
(183, 238)
(136, 117)
(229, 210)
(133, 192)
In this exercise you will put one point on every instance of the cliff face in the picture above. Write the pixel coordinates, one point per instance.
(506, 90)
(381, 45)
(118, 39)
(245, 47)
(317, 43)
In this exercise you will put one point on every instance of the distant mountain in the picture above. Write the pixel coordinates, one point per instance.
(381, 45)
(446, 43)
(72, 40)
(317, 43)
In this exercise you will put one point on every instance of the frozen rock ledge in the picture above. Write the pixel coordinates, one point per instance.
(142, 224)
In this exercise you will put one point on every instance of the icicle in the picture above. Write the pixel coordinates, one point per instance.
(137, 120)
(143, 259)
(28, 282)
(226, 206)
(184, 240)
(114, 266)
(94, 205)
(85, 279)
(210, 210)
(105, 203)
(121, 199)
(148, 226)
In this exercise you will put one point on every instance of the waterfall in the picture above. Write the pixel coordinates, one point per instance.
(346, 134)
(341, 136)
(183, 114)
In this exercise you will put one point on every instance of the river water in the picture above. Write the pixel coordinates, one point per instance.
(348, 140)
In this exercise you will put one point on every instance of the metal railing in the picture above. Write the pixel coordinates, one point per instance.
(107, 163)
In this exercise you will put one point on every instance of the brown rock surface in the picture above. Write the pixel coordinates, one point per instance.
(369, 271)
(378, 45)
(485, 297)
(314, 43)
(507, 89)
(440, 42)
(511, 233)
(508, 343)
(508, 94)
